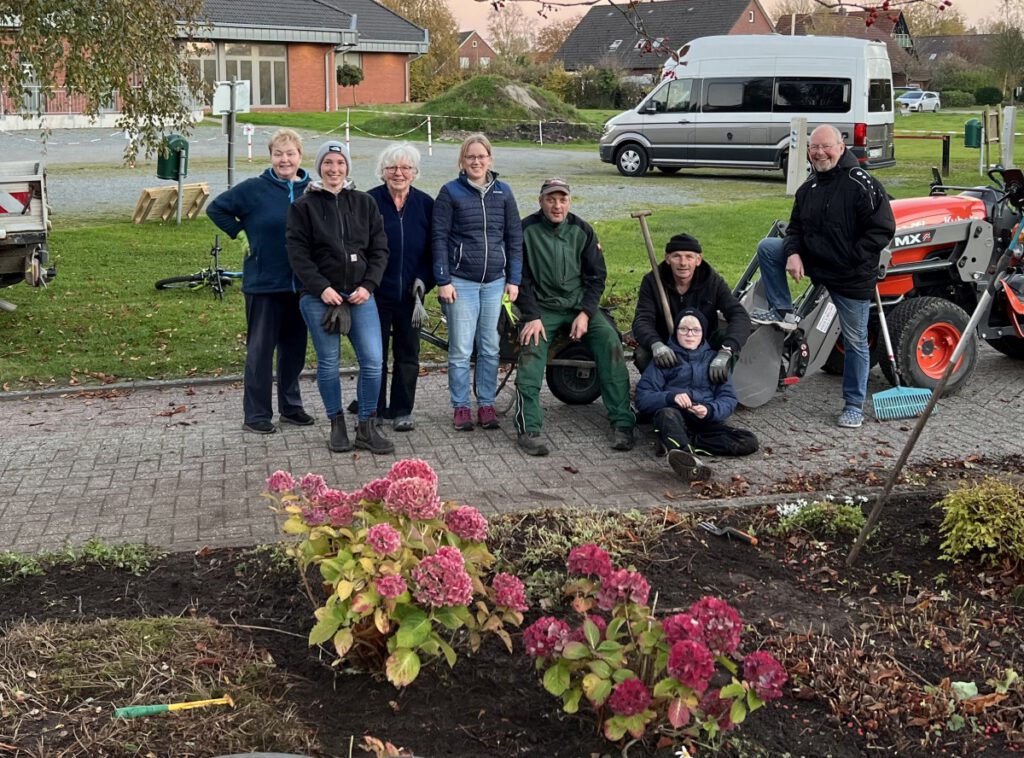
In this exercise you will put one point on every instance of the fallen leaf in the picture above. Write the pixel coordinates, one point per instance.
(571, 469)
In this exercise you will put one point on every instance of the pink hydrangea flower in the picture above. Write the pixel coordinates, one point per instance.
(384, 539)
(509, 592)
(765, 675)
(682, 626)
(721, 623)
(622, 586)
(314, 516)
(375, 490)
(589, 560)
(578, 635)
(413, 497)
(391, 586)
(692, 664)
(442, 580)
(629, 698)
(313, 486)
(340, 515)
(545, 637)
(717, 708)
(332, 498)
(467, 523)
(280, 481)
(412, 468)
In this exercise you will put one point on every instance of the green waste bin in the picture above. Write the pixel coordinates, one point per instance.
(972, 133)
(167, 160)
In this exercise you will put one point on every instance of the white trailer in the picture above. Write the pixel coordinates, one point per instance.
(24, 224)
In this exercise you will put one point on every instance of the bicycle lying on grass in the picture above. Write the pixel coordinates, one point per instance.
(214, 277)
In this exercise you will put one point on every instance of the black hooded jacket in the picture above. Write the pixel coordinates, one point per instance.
(841, 221)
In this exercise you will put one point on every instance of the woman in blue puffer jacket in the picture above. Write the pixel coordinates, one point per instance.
(689, 410)
(477, 245)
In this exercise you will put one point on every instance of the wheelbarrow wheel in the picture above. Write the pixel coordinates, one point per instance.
(574, 385)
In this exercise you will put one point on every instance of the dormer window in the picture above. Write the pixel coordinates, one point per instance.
(615, 45)
(750, 16)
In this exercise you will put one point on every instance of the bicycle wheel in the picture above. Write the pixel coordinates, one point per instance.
(191, 282)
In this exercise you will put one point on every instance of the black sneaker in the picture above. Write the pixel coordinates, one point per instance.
(531, 444)
(259, 427)
(622, 439)
(299, 418)
(687, 466)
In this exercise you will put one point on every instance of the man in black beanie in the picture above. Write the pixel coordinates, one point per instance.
(689, 282)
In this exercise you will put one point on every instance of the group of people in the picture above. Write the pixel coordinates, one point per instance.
(325, 259)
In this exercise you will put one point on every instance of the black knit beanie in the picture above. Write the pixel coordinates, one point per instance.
(683, 242)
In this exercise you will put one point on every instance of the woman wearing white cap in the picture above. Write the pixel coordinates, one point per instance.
(338, 250)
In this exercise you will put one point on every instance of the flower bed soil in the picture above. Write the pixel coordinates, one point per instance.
(872, 652)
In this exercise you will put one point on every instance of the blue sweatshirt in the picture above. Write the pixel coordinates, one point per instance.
(259, 207)
(408, 233)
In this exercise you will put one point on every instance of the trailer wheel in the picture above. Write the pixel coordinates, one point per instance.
(571, 384)
(631, 160)
(925, 331)
(1009, 346)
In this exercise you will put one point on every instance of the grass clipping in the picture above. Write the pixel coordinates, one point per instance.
(60, 683)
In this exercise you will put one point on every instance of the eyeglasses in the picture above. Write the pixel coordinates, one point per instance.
(399, 169)
(476, 158)
(690, 330)
(820, 147)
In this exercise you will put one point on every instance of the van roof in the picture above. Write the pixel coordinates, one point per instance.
(775, 44)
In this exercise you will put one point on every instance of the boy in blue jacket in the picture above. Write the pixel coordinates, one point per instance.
(689, 410)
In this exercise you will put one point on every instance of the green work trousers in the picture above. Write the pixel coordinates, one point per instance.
(604, 344)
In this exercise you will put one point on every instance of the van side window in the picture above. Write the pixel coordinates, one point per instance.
(879, 95)
(674, 97)
(737, 95)
(818, 95)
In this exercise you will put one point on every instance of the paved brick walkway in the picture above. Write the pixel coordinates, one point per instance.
(120, 468)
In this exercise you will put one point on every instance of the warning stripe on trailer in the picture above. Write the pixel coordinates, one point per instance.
(14, 202)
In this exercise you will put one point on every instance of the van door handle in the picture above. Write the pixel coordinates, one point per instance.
(685, 121)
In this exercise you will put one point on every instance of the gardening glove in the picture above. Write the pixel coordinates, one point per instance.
(419, 289)
(419, 313)
(718, 373)
(337, 319)
(664, 356)
(244, 239)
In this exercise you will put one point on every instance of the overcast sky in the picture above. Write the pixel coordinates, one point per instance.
(473, 15)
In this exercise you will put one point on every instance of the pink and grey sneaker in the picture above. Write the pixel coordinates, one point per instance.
(463, 420)
(487, 417)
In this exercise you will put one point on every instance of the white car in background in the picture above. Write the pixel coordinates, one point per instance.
(920, 100)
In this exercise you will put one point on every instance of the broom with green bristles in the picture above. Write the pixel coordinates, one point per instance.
(899, 402)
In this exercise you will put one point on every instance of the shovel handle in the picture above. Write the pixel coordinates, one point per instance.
(741, 535)
(641, 216)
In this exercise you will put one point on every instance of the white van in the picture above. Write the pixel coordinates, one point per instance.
(728, 101)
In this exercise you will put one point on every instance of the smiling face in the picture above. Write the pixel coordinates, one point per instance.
(399, 176)
(824, 149)
(476, 161)
(689, 333)
(285, 159)
(333, 170)
(683, 263)
(555, 206)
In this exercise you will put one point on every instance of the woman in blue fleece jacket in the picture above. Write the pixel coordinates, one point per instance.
(689, 410)
(259, 208)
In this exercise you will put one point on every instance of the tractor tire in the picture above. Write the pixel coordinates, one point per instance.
(1009, 346)
(631, 160)
(572, 385)
(925, 331)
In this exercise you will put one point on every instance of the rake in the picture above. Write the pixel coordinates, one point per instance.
(898, 402)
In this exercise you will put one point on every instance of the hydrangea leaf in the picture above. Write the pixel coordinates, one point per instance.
(451, 616)
(571, 700)
(753, 701)
(591, 632)
(665, 687)
(575, 651)
(738, 711)
(556, 679)
(728, 663)
(381, 621)
(614, 728)
(324, 629)
(622, 675)
(637, 725)
(614, 629)
(343, 588)
(343, 642)
(294, 525)
(596, 688)
(415, 628)
(732, 690)
(402, 667)
(964, 690)
(678, 714)
(449, 652)
(601, 668)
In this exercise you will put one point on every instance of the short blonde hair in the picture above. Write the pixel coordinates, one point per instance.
(474, 139)
(400, 151)
(281, 136)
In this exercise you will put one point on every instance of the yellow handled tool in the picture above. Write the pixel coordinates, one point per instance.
(135, 711)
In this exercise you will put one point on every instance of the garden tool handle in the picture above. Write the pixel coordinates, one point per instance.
(641, 216)
(885, 335)
(741, 535)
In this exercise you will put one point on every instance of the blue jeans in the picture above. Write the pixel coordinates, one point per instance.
(365, 338)
(853, 323)
(772, 261)
(473, 320)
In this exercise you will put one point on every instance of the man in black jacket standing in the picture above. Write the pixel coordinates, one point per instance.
(689, 282)
(841, 221)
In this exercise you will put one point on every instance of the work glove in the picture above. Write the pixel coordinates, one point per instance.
(419, 313)
(244, 239)
(718, 373)
(337, 319)
(419, 289)
(664, 356)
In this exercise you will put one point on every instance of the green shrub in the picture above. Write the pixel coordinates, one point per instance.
(955, 98)
(823, 519)
(987, 517)
(988, 96)
(558, 81)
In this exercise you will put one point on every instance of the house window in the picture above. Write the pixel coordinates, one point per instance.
(475, 43)
(615, 45)
(266, 68)
(750, 16)
(933, 56)
(463, 61)
(485, 61)
(202, 56)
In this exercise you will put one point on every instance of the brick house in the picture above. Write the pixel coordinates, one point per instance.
(605, 37)
(474, 52)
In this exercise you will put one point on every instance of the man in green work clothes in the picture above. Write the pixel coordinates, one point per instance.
(563, 279)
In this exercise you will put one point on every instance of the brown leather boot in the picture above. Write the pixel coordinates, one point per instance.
(338, 441)
(368, 437)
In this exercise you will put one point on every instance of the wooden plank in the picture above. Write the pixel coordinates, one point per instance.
(161, 203)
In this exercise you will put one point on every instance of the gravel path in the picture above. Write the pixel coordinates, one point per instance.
(86, 173)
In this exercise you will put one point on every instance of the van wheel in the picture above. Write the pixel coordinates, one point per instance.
(670, 170)
(631, 160)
